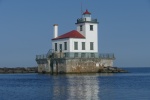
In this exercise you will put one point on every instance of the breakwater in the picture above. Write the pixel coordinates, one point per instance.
(112, 70)
(18, 70)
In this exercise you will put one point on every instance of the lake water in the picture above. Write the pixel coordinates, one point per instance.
(121, 86)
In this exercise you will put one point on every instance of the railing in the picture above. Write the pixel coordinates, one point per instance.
(50, 52)
(107, 55)
(43, 56)
(81, 20)
(76, 55)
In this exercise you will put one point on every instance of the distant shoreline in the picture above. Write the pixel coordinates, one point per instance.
(18, 70)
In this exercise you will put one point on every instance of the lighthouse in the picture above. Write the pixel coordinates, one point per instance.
(81, 42)
(75, 51)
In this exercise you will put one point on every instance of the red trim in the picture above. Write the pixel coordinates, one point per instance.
(71, 34)
(86, 12)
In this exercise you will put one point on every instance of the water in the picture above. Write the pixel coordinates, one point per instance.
(121, 86)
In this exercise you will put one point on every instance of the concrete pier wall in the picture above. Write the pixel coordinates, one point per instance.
(73, 65)
(43, 65)
(83, 65)
(87, 65)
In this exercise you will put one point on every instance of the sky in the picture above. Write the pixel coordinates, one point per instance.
(26, 28)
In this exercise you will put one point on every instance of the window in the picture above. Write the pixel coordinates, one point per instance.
(75, 45)
(55, 46)
(60, 47)
(92, 55)
(80, 27)
(65, 55)
(83, 55)
(75, 55)
(65, 45)
(91, 45)
(91, 27)
(83, 45)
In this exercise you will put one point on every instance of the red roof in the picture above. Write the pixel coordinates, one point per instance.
(86, 12)
(71, 34)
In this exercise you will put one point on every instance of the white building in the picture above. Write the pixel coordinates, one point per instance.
(82, 42)
(75, 51)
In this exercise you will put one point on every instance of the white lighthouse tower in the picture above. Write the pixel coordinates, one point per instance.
(88, 27)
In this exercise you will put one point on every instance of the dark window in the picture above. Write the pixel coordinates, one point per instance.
(65, 55)
(83, 55)
(83, 45)
(60, 47)
(75, 54)
(92, 55)
(91, 27)
(65, 45)
(91, 45)
(75, 45)
(80, 27)
(55, 46)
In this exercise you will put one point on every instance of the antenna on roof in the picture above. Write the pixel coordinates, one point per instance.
(81, 10)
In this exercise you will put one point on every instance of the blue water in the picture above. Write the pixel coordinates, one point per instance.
(124, 86)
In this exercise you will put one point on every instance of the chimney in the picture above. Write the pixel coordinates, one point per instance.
(55, 30)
